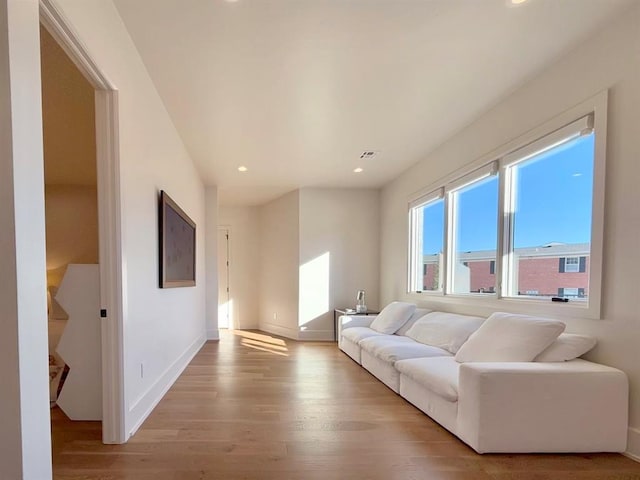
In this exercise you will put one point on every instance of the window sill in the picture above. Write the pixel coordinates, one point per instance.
(483, 304)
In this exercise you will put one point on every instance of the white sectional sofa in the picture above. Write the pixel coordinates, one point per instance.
(552, 402)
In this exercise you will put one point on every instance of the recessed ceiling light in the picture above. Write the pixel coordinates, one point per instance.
(357, 170)
(517, 2)
(242, 168)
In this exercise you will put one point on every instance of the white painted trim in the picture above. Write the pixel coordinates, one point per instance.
(316, 335)
(282, 331)
(109, 209)
(145, 403)
(633, 444)
(60, 29)
(233, 322)
(112, 294)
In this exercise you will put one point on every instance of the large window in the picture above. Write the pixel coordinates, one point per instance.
(474, 234)
(549, 196)
(520, 226)
(427, 218)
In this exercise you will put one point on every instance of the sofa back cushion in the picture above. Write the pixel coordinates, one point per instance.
(506, 337)
(445, 330)
(417, 315)
(392, 317)
(567, 347)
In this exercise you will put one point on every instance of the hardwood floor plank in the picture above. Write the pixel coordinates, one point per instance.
(256, 406)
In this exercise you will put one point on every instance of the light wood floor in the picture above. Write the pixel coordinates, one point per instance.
(255, 406)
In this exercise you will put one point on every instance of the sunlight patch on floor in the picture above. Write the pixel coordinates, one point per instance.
(247, 341)
(260, 337)
(269, 348)
(262, 342)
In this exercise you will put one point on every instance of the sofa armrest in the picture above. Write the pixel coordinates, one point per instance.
(574, 406)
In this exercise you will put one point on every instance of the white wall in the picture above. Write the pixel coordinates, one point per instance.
(279, 233)
(316, 247)
(244, 263)
(163, 328)
(25, 447)
(610, 60)
(211, 252)
(339, 255)
(71, 226)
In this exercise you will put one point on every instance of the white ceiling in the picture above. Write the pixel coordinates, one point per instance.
(296, 90)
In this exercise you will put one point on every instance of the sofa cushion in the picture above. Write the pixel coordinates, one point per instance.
(392, 348)
(417, 315)
(567, 347)
(444, 330)
(437, 374)
(355, 334)
(392, 317)
(506, 337)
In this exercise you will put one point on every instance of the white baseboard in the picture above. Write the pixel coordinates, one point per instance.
(295, 334)
(633, 444)
(316, 335)
(145, 404)
(279, 330)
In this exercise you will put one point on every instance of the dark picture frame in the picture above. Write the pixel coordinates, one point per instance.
(177, 234)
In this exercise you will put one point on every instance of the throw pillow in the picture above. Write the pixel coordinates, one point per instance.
(567, 347)
(445, 330)
(417, 315)
(506, 337)
(392, 317)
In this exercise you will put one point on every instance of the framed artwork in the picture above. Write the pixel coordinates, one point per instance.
(177, 245)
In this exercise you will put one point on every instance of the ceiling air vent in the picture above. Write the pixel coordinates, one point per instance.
(368, 155)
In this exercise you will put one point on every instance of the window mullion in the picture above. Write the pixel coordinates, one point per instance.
(507, 273)
(502, 228)
(450, 245)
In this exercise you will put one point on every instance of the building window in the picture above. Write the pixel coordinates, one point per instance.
(427, 241)
(573, 264)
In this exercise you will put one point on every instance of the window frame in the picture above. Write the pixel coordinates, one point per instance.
(451, 190)
(416, 229)
(508, 165)
(595, 106)
(567, 263)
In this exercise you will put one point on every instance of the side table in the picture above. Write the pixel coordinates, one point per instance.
(338, 312)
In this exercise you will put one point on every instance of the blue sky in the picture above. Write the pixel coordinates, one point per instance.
(553, 203)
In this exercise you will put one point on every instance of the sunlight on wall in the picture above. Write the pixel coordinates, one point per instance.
(225, 314)
(314, 289)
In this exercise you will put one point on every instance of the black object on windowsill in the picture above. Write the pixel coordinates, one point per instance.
(559, 299)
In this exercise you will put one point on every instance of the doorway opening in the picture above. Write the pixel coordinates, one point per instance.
(109, 315)
(71, 222)
(225, 306)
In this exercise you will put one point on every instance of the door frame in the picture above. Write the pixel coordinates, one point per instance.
(230, 312)
(109, 222)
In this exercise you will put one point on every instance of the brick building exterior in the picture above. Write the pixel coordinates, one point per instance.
(552, 270)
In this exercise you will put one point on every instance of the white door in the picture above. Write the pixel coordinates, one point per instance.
(224, 299)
